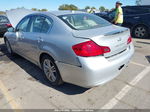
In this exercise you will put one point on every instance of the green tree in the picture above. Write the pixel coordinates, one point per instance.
(43, 10)
(64, 7)
(34, 9)
(1, 12)
(93, 8)
(102, 9)
(107, 10)
(68, 7)
(87, 7)
(73, 7)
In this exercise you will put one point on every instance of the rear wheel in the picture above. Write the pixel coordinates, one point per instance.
(140, 31)
(51, 71)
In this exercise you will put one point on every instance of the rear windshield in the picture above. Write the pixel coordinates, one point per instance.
(84, 21)
(3, 19)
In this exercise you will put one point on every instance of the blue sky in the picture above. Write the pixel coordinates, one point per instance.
(54, 4)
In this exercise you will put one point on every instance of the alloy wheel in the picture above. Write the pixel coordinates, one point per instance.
(49, 70)
(140, 32)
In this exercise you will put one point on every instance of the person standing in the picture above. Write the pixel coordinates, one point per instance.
(118, 20)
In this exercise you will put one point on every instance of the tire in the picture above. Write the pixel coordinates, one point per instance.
(140, 31)
(1, 35)
(51, 71)
(8, 46)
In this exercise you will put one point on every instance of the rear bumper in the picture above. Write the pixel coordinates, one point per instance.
(95, 70)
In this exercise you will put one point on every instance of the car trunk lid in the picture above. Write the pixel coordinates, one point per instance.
(16, 15)
(112, 36)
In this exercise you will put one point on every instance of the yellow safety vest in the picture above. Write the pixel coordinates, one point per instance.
(120, 18)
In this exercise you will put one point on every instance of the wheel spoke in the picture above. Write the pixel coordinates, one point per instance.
(49, 70)
(47, 62)
(46, 71)
(143, 30)
(140, 31)
(53, 69)
(53, 77)
(46, 66)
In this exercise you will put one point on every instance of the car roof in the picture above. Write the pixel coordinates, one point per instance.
(59, 13)
(17, 15)
(136, 6)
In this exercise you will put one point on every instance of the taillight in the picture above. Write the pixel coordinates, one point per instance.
(8, 25)
(129, 40)
(89, 48)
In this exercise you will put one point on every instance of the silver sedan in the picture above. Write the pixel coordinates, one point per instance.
(69, 46)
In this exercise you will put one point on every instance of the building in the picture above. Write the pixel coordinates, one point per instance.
(143, 2)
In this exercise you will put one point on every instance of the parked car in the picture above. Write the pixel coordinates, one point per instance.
(73, 47)
(135, 17)
(4, 24)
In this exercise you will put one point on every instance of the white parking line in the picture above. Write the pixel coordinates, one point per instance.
(138, 64)
(126, 89)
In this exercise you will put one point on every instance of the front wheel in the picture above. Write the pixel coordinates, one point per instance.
(9, 49)
(51, 71)
(140, 31)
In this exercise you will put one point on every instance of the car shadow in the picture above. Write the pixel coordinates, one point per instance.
(148, 58)
(36, 73)
(143, 42)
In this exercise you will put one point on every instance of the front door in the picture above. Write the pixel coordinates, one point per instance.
(21, 34)
(37, 29)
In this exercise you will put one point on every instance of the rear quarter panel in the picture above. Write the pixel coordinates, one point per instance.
(59, 41)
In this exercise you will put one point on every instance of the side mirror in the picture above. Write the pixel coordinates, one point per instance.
(11, 29)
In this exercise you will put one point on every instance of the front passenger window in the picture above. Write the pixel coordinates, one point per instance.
(22, 27)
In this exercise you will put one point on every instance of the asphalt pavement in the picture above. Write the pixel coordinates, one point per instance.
(24, 86)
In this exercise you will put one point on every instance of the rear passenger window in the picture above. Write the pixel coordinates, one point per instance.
(36, 25)
(47, 24)
(40, 24)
